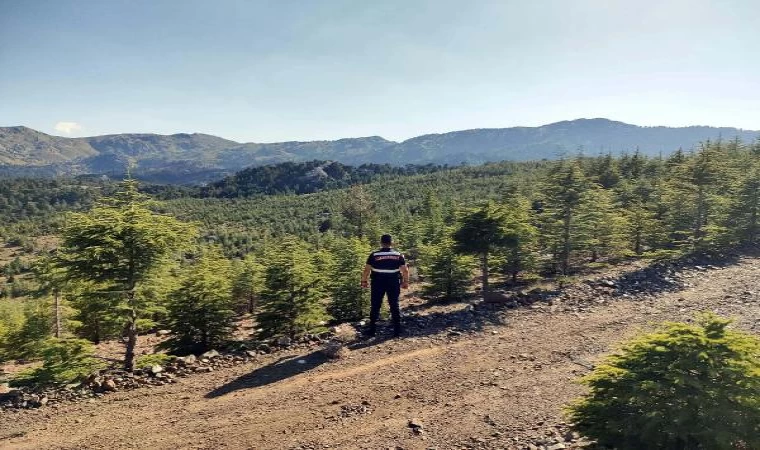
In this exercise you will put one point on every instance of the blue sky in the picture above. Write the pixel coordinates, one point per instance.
(279, 70)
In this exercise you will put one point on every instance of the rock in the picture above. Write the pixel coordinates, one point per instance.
(211, 354)
(283, 341)
(264, 348)
(334, 350)
(156, 369)
(571, 436)
(187, 360)
(556, 447)
(251, 353)
(12, 395)
(416, 424)
(160, 333)
(109, 386)
(608, 283)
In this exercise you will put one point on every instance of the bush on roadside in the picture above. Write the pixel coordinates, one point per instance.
(684, 386)
(160, 359)
(64, 361)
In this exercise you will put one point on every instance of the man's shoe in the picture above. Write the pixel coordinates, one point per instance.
(370, 332)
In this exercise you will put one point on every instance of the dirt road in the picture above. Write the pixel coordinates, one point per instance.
(494, 386)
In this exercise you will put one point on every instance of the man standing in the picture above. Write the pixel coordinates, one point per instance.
(389, 276)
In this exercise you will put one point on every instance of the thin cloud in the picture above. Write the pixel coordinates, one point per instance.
(67, 127)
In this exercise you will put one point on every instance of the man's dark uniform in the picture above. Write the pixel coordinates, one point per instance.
(386, 279)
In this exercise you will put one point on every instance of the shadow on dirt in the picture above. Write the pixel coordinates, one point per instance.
(455, 322)
(277, 371)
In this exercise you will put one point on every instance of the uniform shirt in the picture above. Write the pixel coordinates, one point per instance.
(386, 263)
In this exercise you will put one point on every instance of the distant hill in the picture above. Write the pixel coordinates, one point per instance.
(304, 178)
(198, 158)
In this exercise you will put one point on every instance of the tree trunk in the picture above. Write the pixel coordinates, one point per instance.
(129, 356)
(566, 242)
(637, 241)
(516, 263)
(701, 213)
(753, 221)
(251, 303)
(57, 296)
(484, 269)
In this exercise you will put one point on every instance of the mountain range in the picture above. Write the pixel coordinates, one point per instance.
(196, 158)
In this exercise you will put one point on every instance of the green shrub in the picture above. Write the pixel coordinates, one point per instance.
(448, 273)
(201, 310)
(160, 359)
(64, 361)
(11, 319)
(349, 300)
(683, 386)
(28, 339)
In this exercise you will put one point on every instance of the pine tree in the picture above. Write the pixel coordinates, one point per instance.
(432, 218)
(684, 386)
(746, 208)
(520, 249)
(27, 341)
(447, 272)
(604, 171)
(349, 302)
(99, 312)
(358, 211)
(51, 281)
(248, 278)
(119, 245)
(643, 227)
(291, 299)
(562, 192)
(696, 199)
(631, 168)
(481, 232)
(201, 311)
(601, 227)
(64, 361)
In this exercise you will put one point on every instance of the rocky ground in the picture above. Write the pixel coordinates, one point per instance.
(466, 376)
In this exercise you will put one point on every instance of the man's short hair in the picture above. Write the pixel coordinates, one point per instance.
(386, 239)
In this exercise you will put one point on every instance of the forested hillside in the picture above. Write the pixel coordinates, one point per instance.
(200, 158)
(305, 178)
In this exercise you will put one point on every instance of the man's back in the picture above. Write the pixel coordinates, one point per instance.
(386, 262)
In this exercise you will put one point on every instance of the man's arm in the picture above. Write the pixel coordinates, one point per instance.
(365, 275)
(404, 277)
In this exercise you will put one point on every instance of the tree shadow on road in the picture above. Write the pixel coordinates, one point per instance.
(456, 322)
(279, 370)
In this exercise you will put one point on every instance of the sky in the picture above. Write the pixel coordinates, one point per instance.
(279, 70)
